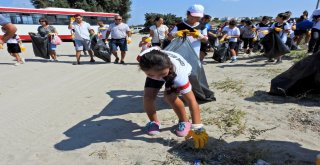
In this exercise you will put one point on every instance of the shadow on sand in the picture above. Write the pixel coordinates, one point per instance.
(103, 127)
(245, 152)
(263, 96)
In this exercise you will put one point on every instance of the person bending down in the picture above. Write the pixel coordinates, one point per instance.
(171, 69)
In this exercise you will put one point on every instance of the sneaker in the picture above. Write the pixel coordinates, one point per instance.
(278, 62)
(183, 129)
(76, 63)
(270, 60)
(23, 60)
(16, 64)
(116, 61)
(233, 60)
(153, 128)
(92, 60)
(122, 62)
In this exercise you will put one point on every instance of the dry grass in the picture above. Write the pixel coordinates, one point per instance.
(304, 120)
(230, 85)
(297, 55)
(230, 122)
(101, 154)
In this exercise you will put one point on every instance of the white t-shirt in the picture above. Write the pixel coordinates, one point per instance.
(14, 40)
(162, 29)
(232, 32)
(118, 31)
(181, 67)
(103, 30)
(81, 31)
(195, 43)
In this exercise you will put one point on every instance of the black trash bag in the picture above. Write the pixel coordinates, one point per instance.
(100, 49)
(301, 79)
(273, 45)
(198, 77)
(40, 45)
(291, 45)
(222, 54)
(165, 43)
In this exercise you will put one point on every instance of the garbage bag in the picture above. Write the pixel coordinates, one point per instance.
(100, 49)
(222, 54)
(302, 78)
(273, 45)
(197, 78)
(40, 45)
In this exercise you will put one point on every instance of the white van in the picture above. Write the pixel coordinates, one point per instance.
(136, 29)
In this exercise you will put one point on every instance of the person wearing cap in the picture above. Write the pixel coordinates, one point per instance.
(315, 32)
(205, 45)
(9, 28)
(81, 36)
(192, 23)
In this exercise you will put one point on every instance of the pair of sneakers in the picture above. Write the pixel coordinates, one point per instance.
(21, 62)
(183, 128)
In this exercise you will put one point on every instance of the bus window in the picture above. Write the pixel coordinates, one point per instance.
(36, 17)
(26, 19)
(14, 18)
(106, 20)
(51, 19)
(90, 20)
(62, 19)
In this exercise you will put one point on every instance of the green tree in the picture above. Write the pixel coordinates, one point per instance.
(122, 7)
(169, 19)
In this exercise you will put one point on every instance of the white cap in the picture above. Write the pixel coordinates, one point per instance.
(196, 10)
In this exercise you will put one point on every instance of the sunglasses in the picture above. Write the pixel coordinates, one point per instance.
(118, 19)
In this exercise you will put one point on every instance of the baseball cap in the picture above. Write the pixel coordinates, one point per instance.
(196, 10)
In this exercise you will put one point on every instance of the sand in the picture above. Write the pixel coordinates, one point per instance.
(58, 113)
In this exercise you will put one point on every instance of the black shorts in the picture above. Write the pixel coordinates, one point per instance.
(300, 32)
(151, 83)
(233, 45)
(13, 48)
(204, 47)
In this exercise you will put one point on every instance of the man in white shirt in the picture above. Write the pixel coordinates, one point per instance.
(81, 37)
(119, 32)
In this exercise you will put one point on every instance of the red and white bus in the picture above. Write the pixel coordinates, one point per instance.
(27, 19)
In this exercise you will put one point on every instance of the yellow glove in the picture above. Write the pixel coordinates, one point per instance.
(1, 46)
(23, 48)
(199, 136)
(72, 19)
(294, 27)
(129, 40)
(265, 32)
(181, 33)
(278, 29)
(148, 40)
(195, 34)
(221, 41)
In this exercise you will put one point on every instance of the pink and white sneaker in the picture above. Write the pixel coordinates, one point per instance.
(183, 129)
(153, 128)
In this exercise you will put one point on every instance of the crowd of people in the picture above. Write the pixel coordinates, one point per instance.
(169, 69)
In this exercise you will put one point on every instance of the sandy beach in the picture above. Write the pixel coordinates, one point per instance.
(58, 113)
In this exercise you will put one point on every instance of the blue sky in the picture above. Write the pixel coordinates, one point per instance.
(215, 8)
